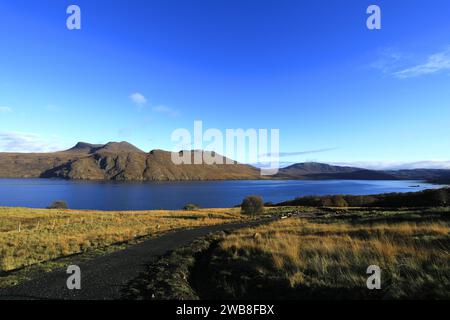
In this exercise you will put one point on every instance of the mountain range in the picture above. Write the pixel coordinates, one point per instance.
(122, 161)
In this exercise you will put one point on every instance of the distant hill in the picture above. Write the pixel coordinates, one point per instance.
(124, 162)
(301, 169)
(321, 171)
(433, 175)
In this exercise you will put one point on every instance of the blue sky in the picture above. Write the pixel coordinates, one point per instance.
(137, 70)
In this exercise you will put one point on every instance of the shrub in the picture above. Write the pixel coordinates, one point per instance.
(59, 204)
(325, 202)
(339, 201)
(191, 207)
(252, 205)
(441, 197)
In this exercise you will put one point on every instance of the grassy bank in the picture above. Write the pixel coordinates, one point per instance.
(328, 258)
(30, 236)
(324, 257)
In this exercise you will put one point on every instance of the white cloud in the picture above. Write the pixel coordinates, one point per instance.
(401, 66)
(389, 59)
(138, 99)
(12, 141)
(435, 63)
(393, 165)
(5, 110)
(295, 153)
(166, 110)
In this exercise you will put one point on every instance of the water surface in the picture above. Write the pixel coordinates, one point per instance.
(39, 193)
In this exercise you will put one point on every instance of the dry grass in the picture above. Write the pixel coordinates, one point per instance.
(29, 236)
(330, 259)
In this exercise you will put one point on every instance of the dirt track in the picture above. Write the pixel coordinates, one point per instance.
(103, 277)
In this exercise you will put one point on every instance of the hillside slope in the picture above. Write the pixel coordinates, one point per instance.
(122, 161)
(116, 161)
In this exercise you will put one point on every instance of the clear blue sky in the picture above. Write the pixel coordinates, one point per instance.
(310, 68)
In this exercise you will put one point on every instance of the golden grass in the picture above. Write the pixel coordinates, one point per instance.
(29, 236)
(308, 254)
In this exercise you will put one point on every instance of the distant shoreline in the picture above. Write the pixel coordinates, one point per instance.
(431, 181)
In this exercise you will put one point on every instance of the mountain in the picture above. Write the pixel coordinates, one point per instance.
(124, 162)
(83, 147)
(117, 161)
(321, 171)
(301, 169)
(139, 166)
(432, 175)
(113, 147)
(32, 165)
(428, 174)
(119, 147)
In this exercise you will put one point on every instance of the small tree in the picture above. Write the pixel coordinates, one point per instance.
(325, 202)
(252, 205)
(191, 207)
(441, 197)
(59, 204)
(339, 201)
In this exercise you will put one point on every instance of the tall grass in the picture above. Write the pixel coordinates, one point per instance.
(309, 259)
(28, 236)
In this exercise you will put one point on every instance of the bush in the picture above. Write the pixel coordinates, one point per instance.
(252, 205)
(325, 202)
(441, 197)
(339, 201)
(59, 204)
(191, 207)
(426, 198)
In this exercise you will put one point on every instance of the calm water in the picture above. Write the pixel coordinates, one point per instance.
(39, 193)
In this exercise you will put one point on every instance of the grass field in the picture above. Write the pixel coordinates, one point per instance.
(325, 256)
(328, 258)
(30, 236)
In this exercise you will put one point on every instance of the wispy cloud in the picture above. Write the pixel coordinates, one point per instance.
(296, 153)
(392, 165)
(435, 63)
(389, 60)
(402, 66)
(166, 110)
(5, 110)
(138, 99)
(12, 141)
